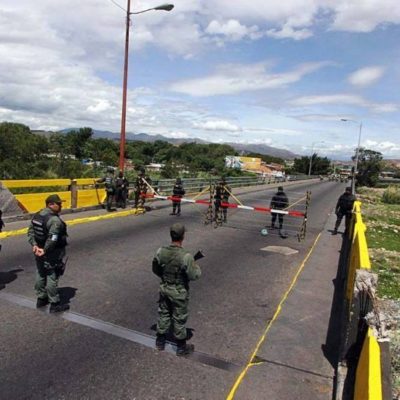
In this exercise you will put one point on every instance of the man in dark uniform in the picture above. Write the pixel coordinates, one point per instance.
(344, 208)
(222, 193)
(176, 267)
(47, 234)
(109, 183)
(121, 190)
(278, 202)
(141, 188)
(177, 192)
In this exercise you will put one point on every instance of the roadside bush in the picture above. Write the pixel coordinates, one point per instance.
(391, 195)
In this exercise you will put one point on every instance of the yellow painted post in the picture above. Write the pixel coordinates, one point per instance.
(368, 384)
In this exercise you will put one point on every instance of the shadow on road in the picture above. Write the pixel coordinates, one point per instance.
(8, 277)
(66, 294)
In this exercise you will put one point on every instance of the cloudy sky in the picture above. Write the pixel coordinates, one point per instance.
(276, 72)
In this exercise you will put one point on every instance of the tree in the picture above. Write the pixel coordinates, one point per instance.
(369, 166)
(319, 165)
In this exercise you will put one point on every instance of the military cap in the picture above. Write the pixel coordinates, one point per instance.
(54, 198)
(177, 229)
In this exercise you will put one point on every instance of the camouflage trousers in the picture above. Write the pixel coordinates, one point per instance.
(47, 276)
(173, 309)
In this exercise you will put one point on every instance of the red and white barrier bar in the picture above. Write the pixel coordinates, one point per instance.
(292, 213)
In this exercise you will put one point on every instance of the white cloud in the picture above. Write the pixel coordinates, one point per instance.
(366, 76)
(233, 30)
(288, 32)
(237, 78)
(176, 135)
(384, 146)
(217, 125)
(340, 99)
(364, 16)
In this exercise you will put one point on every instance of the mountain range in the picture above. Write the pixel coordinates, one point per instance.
(240, 147)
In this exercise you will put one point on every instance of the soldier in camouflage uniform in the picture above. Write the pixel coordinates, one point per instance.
(177, 192)
(141, 188)
(109, 183)
(222, 193)
(176, 267)
(47, 234)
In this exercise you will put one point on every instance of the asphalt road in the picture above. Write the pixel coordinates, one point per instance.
(109, 279)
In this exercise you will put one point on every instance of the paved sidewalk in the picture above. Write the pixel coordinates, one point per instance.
(297, 358)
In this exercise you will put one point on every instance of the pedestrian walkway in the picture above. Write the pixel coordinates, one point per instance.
(296, 356)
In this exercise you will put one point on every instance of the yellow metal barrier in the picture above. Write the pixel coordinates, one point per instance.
(368, 385)
(10, 184)
(359, 257)
(33, 202)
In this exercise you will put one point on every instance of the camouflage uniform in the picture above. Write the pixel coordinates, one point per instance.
(176, 267)
(141, 189)
(49, 232)
(121, 190)
(222, 193)
(109, 183)
(178, 192)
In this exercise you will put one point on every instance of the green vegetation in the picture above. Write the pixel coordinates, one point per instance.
(391, 195)
(369, 166)
(383, 223)
(26, 155)
(319, 165)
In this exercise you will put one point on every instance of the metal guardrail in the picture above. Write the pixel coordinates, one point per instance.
(83, 192)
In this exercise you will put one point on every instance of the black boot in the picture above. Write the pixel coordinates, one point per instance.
(182, 348)
(160, 342)
(42, 302)
(57, 307)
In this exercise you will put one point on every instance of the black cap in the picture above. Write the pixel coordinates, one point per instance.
(177, 230)
(348, 189)
(280, 189)
(54, 198)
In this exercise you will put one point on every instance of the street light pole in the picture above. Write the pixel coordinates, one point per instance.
(353, 178)
(164, 7)
(124, 90)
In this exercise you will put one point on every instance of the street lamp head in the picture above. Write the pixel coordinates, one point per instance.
(164, 7)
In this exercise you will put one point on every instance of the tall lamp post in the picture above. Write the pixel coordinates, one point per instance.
(164, 7)
(311, 156)
(353, 178)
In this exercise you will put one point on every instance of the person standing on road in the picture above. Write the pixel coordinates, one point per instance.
(121, 190)
(177, 192)
(2, 225)
(344, 208)
(176, 267)
(141, 188)
(222, 193)
(278, 202)
(109, 183)
(47, 234)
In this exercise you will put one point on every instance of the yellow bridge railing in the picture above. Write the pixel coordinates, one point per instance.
(75, 192)
(368, 380)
